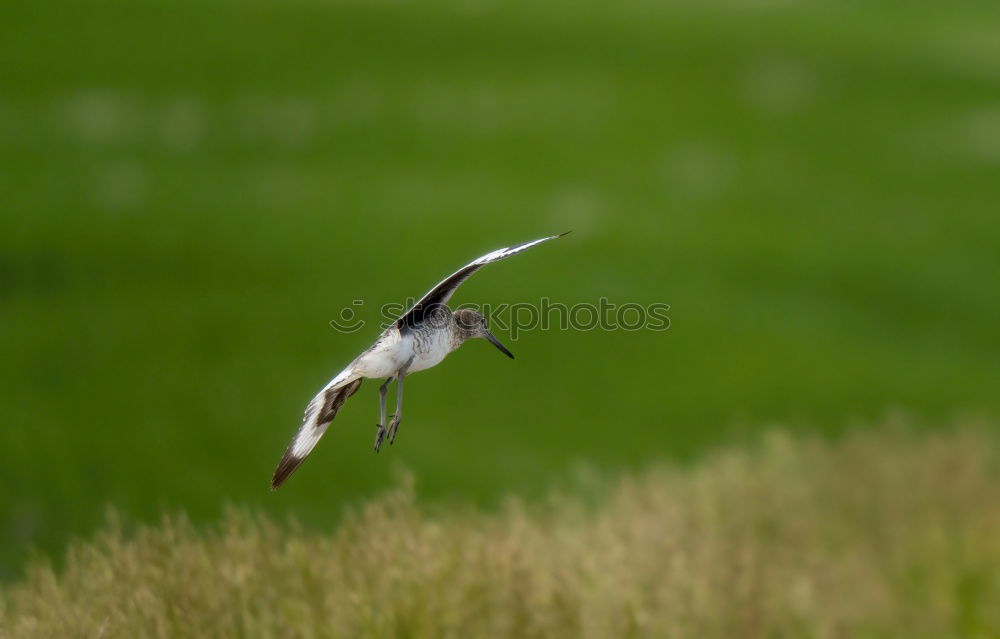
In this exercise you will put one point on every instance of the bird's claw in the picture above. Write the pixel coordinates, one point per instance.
(379, 436)
(393, 427)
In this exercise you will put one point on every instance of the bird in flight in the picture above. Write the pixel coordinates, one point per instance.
(421, 338)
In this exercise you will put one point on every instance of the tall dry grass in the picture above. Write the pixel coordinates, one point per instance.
(883, 533)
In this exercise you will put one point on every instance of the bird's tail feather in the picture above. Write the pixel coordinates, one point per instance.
(320, 412)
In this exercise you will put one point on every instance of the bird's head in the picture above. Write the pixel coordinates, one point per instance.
(472, 324)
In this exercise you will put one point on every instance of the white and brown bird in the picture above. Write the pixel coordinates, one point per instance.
(421, 338)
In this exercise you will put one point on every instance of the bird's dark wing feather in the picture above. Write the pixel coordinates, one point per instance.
(320, 412)
(440, 294)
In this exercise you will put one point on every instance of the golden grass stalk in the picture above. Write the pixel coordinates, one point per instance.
(884, 533)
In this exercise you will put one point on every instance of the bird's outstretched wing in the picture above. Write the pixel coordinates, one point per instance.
(319, 413)
(441, 293)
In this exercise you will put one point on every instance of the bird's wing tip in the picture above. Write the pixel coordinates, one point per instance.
(289, 464)
(564, 233)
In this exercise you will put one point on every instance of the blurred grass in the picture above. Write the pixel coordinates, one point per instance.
(883, 534)
(192, 190)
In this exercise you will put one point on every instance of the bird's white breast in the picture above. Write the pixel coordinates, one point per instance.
(386, 355)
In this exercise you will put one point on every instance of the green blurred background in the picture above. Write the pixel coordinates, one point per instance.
(191, 191)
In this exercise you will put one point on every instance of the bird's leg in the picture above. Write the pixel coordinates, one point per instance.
(395, 419)
(383, 390)
(398, 416)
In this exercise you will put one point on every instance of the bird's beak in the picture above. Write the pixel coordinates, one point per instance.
(496, 342)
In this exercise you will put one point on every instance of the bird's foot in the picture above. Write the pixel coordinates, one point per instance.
(393, 427)
(379, 436)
